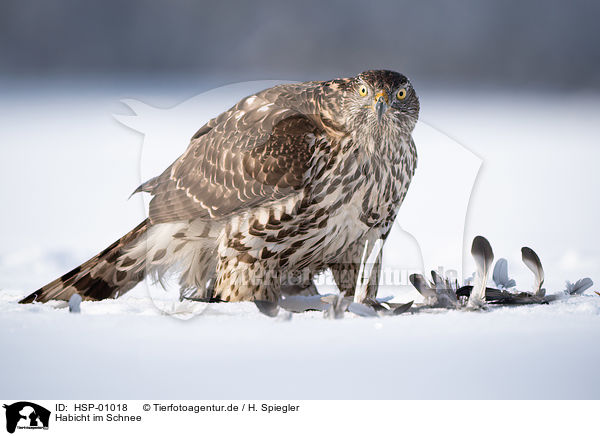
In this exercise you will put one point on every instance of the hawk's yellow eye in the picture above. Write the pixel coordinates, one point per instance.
(362, 90)
(401, 94)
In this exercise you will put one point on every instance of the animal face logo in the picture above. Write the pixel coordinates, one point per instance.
(26, 415)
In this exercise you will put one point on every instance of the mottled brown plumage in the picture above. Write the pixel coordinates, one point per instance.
(287, 183)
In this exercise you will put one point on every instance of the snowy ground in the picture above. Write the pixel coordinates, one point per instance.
(126, 349)
(67, 168)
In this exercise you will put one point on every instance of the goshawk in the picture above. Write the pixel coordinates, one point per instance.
(287, 183)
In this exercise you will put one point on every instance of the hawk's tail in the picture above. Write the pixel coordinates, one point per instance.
(109, 274)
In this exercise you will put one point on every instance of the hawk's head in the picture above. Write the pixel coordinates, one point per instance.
(378, 105)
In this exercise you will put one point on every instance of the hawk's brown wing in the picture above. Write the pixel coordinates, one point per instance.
(255, 153)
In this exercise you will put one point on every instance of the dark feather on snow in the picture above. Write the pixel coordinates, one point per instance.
(268, 308)
(482, 253)
(531, 259)
(422, 285)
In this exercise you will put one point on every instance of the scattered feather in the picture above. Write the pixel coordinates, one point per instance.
(400, 309)
(500, 275)
(423, 286)
(579, 287)
(362, 309)
(184, 309)
(531, 259)
(377, 305)
(301, 303)
(384, 308)
(484, 256)
(445, 291)
(491, 294)
(75, 303)
(338, 306)
(269, 308)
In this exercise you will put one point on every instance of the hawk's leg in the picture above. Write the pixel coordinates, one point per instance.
(298, 283)
(238, 280)
(345, 270)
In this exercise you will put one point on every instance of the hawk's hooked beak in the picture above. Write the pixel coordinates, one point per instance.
(381, 104)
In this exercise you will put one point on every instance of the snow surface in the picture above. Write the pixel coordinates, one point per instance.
(125, 349)
(67, 168)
